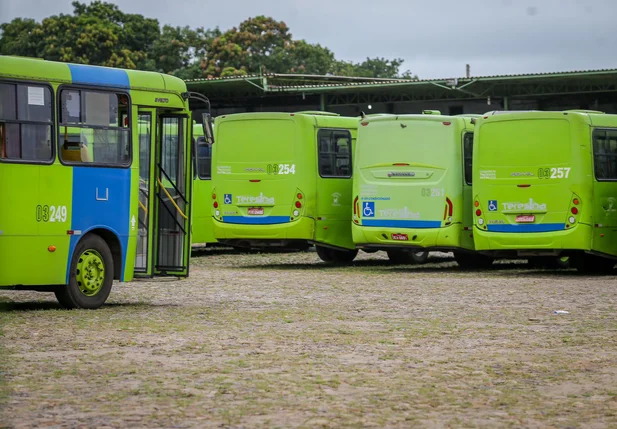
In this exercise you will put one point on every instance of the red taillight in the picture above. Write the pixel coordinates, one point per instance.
(216, 205)
(478, 212)
(299, 196)
(523, 186)
(574, 210)
(254, 180)
(401, 164)
(576, 201)
(355, 206)
(477, 204)
(298, 204)
(447, 123)
(364, 124)
(450, 206)
(214, 196)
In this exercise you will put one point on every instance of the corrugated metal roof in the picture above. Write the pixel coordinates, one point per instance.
(277, 80)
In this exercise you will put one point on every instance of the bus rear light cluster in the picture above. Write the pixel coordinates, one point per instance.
(297, 205)
(574, 211)
(449, 210)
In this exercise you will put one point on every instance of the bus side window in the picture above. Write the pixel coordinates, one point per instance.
(101, 120)
(334, 153)
(26, 122)
(605, 154)
(468, 156)
(204, 159)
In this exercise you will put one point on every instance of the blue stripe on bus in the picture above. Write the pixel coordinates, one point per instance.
(265, 220)
(402, 223)
(99, 76)
(101, 199)
(530, 227)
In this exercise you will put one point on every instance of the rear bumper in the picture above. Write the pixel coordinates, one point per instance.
(447, 237)
(577, 238)
(301, 229)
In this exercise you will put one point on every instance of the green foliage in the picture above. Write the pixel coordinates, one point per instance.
(100, 33)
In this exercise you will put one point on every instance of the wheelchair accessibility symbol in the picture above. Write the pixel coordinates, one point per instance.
(368, 209)
(227, 198)
(492, 205)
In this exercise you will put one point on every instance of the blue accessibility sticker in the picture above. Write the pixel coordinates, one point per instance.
(492, 205)
(368, 209)
(227, 199)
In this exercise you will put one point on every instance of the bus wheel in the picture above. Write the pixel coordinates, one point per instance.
(330, 255)
(472, 260)
(549, 262)
(406, 257)
(91, 275)
(592, 264)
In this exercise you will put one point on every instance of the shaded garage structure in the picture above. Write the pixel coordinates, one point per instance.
(590, 89)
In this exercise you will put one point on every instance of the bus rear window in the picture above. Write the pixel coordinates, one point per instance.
(605, 154)
(204, 159)
(25, 123)
(100, 120)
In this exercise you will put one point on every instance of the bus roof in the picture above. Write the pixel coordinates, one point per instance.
(461, 119)
(590, 117)
(319, 119)
(51, 71)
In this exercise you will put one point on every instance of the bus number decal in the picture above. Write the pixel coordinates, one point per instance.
(433, 192)
(281, 168)
(554, 173)
(51, 213)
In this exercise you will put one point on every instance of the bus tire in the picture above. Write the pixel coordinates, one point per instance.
(473, 261)
(91, 275)
(343, 256)
(592, 264)
(324, 253)
(549, 262)
(406, 257)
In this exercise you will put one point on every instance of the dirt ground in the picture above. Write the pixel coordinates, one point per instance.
(282, 340)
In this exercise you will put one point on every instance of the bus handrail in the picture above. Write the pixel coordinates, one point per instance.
(171, 198)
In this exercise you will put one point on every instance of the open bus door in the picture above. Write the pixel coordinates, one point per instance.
(163, 246)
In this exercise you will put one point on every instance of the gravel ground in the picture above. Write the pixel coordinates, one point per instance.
(282, 340)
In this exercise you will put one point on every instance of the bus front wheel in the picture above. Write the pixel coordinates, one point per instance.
(335, 256)
(91, 275)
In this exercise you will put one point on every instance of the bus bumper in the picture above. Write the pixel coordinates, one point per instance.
(577, 238)
(447, 237)
(301, 229)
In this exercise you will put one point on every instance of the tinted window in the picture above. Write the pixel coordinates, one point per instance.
(467, 156)
(25, 123)
(334, 149)
(94, 128)
(605, 154)
(204, 159)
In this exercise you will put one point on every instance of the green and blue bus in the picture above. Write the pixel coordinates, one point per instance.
(284, 180)
(412, 187)
(545, 185)
(95, 174)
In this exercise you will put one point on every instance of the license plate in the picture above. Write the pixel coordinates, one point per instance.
(400, 237)
(526, 218)
(256, 211)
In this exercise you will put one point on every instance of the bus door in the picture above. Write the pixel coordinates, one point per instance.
(172, 174)
(147, 137)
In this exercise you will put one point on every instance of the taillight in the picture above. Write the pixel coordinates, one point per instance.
(355, 206)
(298, 204)
(299, 196)
(574, 210)
(216, 205)
(214, 196)
(477, 204)
(450, 206)
(447, 123)
(364, 124)
(575, 201)
(478, 212)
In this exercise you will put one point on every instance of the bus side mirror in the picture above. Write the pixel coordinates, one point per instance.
(206, 123)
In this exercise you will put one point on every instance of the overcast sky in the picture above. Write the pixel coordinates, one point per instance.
(436, 38)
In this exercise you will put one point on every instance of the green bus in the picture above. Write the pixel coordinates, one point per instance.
(202, 229)
(412, 187)
(545, 185)
(284, 180)
(95, 171)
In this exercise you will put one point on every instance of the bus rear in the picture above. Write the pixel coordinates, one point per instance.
(261, 181)
(531, 183)
(408, 183)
